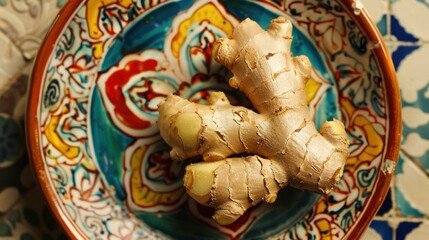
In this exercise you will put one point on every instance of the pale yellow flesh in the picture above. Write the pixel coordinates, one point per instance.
(188, 126)
(199, 177)
(282, 142)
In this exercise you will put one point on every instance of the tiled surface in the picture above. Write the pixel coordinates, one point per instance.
(404, 25)
(23, 212)
(405, 212)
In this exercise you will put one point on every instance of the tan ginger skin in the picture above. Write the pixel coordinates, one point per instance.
(281, 138)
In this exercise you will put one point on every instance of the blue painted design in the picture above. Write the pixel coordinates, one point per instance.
(423, 131)
(327, 109)
(422, 104)
(357, 40)
(346, 220)
(52, 93)
(401, 53)
(382, 228)
(386, 206)
(104, 134)
(404, 228)
(404, 206)
(382, 25)
(399, 165)
(141, 35)
(146, 32)
(365, 177)
(400, 32)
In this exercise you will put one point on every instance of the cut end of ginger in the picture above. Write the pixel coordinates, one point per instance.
(200, 178)
(279, 139)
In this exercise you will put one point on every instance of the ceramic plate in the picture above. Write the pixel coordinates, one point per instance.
(106, 65)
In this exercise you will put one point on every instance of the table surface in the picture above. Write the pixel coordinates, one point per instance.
(405, 212)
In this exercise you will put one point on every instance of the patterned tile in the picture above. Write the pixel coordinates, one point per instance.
(378, 11)
(411, 62)
(404, 213)
(399, 53)
(399, 32)
(412, 230)
(411, 189)
(23, 213)
(378, 230)
(404, 15)
(11, 60)
(387, 206)
(26, 22)
(30, 219)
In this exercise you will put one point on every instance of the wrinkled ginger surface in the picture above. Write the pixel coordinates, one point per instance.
(282, 144)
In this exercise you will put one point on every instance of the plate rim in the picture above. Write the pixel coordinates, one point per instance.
(32, 117)
(393, 107)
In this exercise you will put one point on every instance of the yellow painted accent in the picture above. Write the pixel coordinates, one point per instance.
(324, 228)
(207, 12)
(375, 141)
(69, 152)
(321, 207)
(348, 106)
(93, 8)
(142, 195)
(98, 49)
(311, 89)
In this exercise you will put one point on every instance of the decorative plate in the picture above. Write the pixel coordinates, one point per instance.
(105, 66)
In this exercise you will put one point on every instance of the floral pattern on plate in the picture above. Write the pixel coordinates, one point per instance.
(92, 95)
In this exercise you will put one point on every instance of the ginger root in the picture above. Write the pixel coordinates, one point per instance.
(280, 137)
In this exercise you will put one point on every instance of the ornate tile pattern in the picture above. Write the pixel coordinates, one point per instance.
(405, 211)
(23, 212)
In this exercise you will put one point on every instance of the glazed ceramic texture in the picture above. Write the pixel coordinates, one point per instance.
(404, 214)
(98, 154)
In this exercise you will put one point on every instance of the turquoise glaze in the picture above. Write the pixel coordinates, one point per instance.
(96, 95)
(148, 31)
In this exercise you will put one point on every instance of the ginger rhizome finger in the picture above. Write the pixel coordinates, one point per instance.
(280, 137)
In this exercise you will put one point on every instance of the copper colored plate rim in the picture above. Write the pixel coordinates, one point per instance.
(32, 132)
(393, 101)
